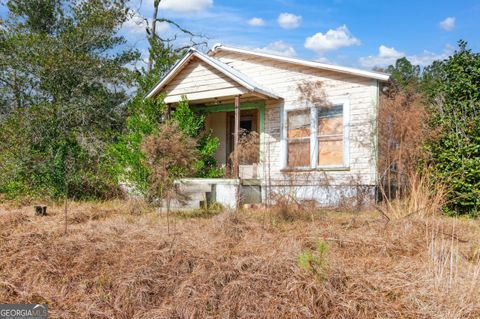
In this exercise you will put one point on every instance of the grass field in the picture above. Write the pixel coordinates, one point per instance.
(122, 260)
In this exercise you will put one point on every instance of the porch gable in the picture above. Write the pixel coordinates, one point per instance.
(199, 77)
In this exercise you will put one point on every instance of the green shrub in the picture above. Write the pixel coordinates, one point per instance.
(315, 261)
(452, 87)
(128, 165)
(193, 124)
(145, 116)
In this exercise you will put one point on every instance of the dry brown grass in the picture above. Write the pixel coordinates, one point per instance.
(118, 262)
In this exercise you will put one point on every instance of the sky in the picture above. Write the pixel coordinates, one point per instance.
(357, 33)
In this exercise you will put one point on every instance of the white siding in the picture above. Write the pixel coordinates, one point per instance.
(283, 79)
(197, 81)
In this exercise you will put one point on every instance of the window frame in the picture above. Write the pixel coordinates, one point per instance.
(287, 139)
(314, 111)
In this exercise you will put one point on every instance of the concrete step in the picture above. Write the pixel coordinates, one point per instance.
(196, 196)
(195, 188)
(187, 205)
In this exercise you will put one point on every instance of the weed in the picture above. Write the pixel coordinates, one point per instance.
(315, 261)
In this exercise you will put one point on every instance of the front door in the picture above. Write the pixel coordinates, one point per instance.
(248, 124)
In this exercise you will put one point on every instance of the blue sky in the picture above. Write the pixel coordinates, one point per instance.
(357, 33)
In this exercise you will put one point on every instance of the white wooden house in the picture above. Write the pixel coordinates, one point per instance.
(315, 149)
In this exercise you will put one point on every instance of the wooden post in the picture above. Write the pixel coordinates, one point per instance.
(236, 171)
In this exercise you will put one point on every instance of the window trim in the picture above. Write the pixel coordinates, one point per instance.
(314, 138)
(287, 139)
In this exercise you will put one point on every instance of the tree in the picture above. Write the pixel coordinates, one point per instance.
(144, 115)
(155, 39)
(452, 87)
(405, 75)
(401, 130)
(63, 69)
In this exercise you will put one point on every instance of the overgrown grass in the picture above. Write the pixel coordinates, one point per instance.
(203, 212)
(119, 261)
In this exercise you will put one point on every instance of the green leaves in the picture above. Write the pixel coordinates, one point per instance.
(188, 121)
(315, 261)
(453, 91)
(128, 164)
(405, 74)
(193, 124)
(63, 76)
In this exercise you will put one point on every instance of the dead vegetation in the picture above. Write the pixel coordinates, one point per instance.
(402, 119)
(117, 261)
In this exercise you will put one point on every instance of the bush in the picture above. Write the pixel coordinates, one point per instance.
(128, 165)
(168, 156)
(36, 161)
(193, 125)
(145, 115)
(452, 87)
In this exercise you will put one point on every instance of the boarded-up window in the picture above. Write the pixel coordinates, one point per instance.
(298, 138)
(330, 136)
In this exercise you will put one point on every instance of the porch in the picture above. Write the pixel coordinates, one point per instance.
(235, 108)
(233, 122)
(241, 136)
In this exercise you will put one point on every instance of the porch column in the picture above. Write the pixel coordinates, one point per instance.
(236, 171)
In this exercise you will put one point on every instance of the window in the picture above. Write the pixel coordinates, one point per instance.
(298, 138)
(320, 146)
(330, 136)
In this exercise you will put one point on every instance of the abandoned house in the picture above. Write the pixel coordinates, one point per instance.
(315, 125)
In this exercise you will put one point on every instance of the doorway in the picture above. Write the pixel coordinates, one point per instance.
(248, 124)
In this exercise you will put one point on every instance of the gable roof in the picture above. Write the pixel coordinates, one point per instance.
(324, 66)
(230, 72)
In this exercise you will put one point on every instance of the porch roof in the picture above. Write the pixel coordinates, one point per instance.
(241, 79)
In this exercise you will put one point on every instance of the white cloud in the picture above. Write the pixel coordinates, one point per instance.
(388, 56)
(448, 24)
(289, 20)
(279, 48)
(136, 25)
(386, 52)
(333, 39)
(426, 57)
(323, 59)
(186, 6)
(256, 22)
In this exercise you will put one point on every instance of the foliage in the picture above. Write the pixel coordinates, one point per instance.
(401, 136)
(63, 76)
(450, 141)
(315, 261)
(193, 124)
(128, 164)
(142, 119)
(168, 155)
(404, 74)
(454, 97)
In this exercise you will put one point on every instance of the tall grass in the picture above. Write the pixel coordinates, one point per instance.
(420, 197)
(119, 262)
